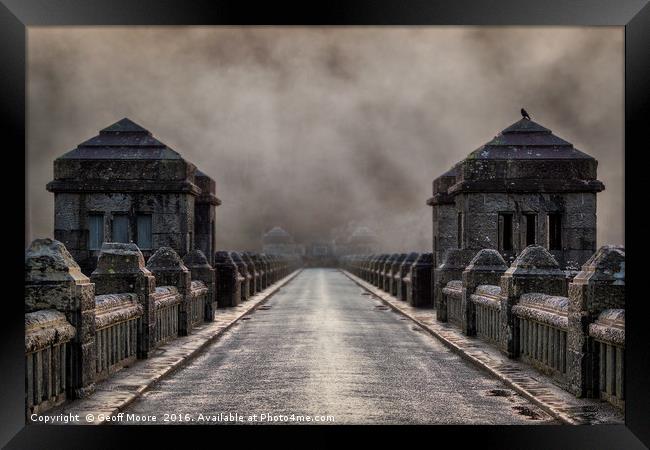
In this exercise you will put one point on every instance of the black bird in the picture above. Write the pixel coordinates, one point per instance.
(524, 114)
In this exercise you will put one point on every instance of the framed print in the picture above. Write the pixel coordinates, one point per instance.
(362, 213)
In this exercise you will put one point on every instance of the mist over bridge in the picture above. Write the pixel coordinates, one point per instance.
(134, 272)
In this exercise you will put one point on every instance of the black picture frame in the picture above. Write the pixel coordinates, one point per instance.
(16, 15)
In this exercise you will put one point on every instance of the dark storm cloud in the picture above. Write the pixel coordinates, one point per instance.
(318, 129)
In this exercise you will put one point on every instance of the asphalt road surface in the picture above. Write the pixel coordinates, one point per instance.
(322, 346)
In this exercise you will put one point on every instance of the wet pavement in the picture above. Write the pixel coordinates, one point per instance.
(321, 346)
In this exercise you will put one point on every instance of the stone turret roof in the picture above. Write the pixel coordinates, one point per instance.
(526, 139)
(124, 139)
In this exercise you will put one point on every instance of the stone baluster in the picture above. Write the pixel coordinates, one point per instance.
(600, 285)
(485, 268)
(534, 270)
(201, 270)
(53, 280)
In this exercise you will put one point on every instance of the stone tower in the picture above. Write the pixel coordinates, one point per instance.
(124, 185)
(524, 187)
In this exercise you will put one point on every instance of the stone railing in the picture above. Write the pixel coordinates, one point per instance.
(167, 312)
(542, 327)
(240, 275)
(399, 283)
(47, 342)
(453, 295)
(80, 330)
(608, 341)
(569, 325)
(118, 320)
(487, 310)
(406, 276)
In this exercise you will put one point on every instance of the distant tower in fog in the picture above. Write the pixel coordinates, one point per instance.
(277, 241)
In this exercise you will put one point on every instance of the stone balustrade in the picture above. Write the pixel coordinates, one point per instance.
(118, 318)
(80, 330)
(47, 342)
(568, 325)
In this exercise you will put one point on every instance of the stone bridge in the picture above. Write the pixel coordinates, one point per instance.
(514, 317)
(529, 343)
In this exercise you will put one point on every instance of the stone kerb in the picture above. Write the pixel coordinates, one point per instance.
(169, 270)
(201, 270)
(53, 280)
(485, 268)
(534, 270)
(598, 287)
(451, 269)
(121, 269)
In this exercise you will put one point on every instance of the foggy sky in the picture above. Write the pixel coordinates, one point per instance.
(317, 128)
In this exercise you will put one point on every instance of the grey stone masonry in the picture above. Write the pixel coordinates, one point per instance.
(121, 269)
(451, 269)
(419, 281)
(243, 271)
(534, 270)
(402, 272)
(524, 187)
(598, 288)
(201, 270)
(260, 268)
(252, 270)
(485, 268)
(169, 270)
(124, 185)
(53, 280)
(229, 281)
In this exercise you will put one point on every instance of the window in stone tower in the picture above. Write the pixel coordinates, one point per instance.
(95, 231)
(554, 231)
(505, 232)
(144, 231)
(120, 228)
(460, 230)
(530, 229)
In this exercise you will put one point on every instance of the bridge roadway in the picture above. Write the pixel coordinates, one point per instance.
(322, 346)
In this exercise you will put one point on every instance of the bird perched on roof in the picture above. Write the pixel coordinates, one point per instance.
(524, 114)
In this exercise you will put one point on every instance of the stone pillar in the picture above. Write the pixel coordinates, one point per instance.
(243, 271)
(120, 269)
(534, 270)
(451, 269)
(485, 268)
(261, 271)
(201, 270)
(600, 285)
(169, 270)
(252, 269)
(53, 280)
(419, 292)
(228, 280)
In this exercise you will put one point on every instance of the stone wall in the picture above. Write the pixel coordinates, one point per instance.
(80, 330)
(571, 331)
